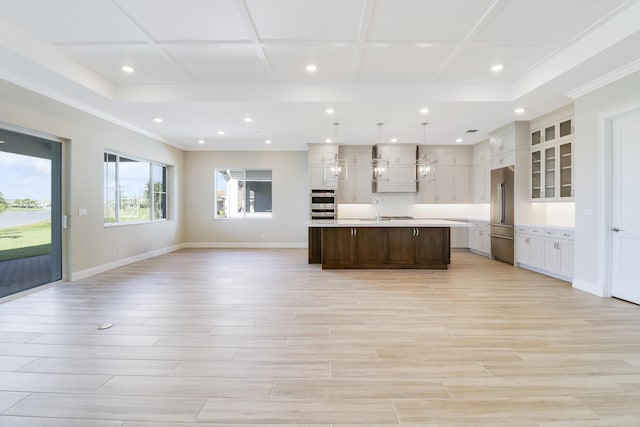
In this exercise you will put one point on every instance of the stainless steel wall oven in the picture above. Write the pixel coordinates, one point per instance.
(323, 204)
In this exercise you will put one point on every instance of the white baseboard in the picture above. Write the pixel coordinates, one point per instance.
(590, 287)
(83, 274)
(30, 291)
(545, 272)
(479, 253)
(244, 245)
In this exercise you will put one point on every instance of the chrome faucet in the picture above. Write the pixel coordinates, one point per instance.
(377, 210)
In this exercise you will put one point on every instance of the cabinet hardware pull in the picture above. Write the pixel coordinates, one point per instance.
(355, 232)
(616, 229)
(417, 231)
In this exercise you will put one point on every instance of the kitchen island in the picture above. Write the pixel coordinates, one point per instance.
(382, 243)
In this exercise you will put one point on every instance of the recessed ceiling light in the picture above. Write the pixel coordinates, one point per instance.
(220, 132)
(248, 119)
(328, 140)
(519, 110)
(201, 141)
(424, 110)
(459, 140)
(157, 119)
(128, 69)
(312, 68)
(497, 67)
(394, 139)
(267, 141)
(329, 111)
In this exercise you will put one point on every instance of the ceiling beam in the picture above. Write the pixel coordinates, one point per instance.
(255, 39)
(151, 42)
(363, 32)
(472, 34)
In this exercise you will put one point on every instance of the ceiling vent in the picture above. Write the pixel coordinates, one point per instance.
(471, 131)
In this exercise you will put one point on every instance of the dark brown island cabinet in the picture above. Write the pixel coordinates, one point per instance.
(380, 247)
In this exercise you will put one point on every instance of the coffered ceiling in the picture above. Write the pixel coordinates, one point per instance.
(204, 65)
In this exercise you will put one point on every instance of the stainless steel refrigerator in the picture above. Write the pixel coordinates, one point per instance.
(502, 217)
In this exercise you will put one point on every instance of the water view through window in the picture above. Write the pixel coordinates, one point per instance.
(29, 245)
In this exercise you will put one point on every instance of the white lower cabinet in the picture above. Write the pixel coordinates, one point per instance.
(546, 250)
(479, 238)
(558, 252)
(459, 238)
(529, 246)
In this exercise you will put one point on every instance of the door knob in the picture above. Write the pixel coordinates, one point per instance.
(615, 229)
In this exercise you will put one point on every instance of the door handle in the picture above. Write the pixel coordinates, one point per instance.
(616, 229)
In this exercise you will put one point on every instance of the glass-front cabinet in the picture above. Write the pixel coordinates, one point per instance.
(550, 172)
(552, 161)
(536, 174)
(566, 170)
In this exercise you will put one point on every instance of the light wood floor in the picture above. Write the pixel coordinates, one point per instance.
(259, 337)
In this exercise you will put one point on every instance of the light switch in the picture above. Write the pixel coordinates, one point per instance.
(82, 212)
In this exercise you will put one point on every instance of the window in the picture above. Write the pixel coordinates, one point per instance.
(134, 190)
(243, 193)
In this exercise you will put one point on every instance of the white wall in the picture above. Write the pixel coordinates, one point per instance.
(93, 247)
(290, 200)
(592, 151)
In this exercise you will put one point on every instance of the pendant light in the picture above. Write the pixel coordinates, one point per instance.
(425, 167)
(335, 169)
(379, 165)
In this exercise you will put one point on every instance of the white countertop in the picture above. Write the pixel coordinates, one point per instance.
(549, 227)
(387, 223)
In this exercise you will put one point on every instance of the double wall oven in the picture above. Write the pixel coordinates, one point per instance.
(323, 204)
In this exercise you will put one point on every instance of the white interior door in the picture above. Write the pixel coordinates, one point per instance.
(625, 225)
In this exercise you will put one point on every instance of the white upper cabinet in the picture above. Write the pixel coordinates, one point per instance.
(400, 174)
(480, 172)
(551, 160)
(481, 153)
(319, 155)
(453, 182)
(506, 142)
(357, 186)
(503, 150)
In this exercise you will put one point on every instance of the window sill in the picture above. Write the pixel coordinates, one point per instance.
(246, 218)
(119, 224)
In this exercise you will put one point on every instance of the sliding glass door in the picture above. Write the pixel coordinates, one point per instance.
(30, 212)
